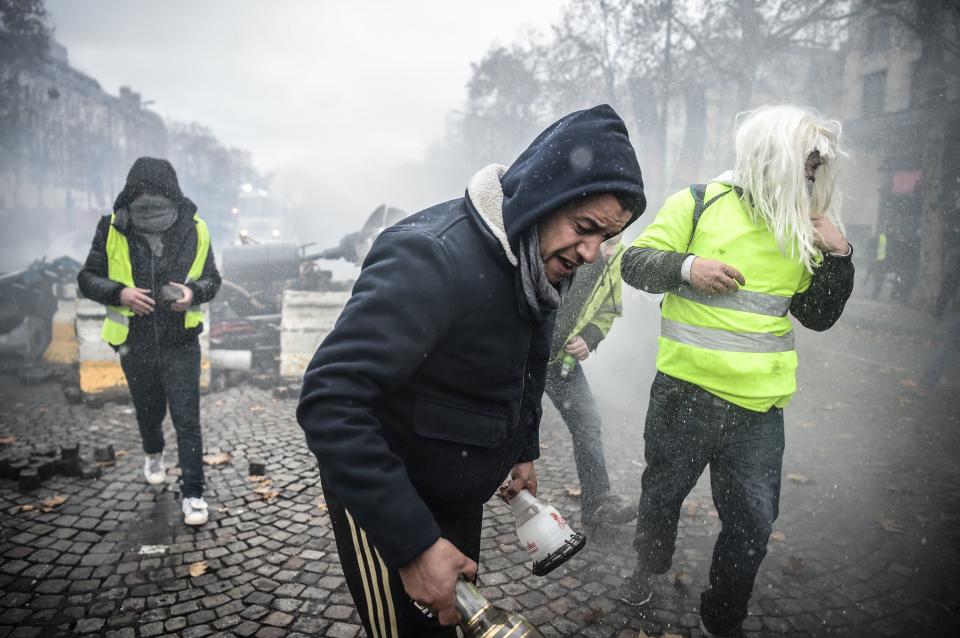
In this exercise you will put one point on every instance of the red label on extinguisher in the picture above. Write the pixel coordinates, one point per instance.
(558, 520)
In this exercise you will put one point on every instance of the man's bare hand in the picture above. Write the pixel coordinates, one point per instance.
(522, 476)
(714, 277)
(578, 348)
(828, 238)
(138, 300)
(432, 578)
(185, 301)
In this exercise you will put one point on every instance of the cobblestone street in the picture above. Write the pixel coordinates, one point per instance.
(866, 543)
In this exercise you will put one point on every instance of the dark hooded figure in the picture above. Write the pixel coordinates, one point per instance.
(151, 264)
(426, 394)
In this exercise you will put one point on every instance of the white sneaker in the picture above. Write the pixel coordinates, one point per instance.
(194, 511)
(153, 469)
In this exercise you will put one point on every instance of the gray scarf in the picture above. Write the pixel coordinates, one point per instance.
(541, 296)
(150, 216)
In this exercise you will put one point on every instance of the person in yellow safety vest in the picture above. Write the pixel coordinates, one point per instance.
(734, 258)
(585, 316)
(151, 264)
(881, 266)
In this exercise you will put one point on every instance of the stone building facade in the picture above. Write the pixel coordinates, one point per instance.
(73, 146)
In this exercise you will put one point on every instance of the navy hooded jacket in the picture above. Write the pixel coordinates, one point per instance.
(427, 391)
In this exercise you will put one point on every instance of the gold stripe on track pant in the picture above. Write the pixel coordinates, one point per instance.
(376, 584)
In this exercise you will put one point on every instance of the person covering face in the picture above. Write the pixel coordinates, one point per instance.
(426, 393)
(735, 257)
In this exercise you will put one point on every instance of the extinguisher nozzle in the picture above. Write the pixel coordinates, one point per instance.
(573, 544)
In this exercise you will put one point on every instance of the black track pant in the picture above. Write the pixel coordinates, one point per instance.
(169, 376)
(383, 605)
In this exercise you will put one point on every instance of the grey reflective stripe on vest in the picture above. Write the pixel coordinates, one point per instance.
(758, 303)
(716, 339)
(113, 315)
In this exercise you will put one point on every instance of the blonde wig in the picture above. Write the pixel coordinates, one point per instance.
(772, 146)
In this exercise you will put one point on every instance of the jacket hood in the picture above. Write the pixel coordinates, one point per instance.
(584, 153)
(150, 175)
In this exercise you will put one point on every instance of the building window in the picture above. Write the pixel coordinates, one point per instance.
(878, 34)
(874, 90)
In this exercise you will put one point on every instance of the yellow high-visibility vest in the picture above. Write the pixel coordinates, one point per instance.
(882, 247)
(737, 346)
(116, 326)
(604, 303)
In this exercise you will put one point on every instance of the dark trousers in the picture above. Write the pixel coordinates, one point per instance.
(381, 601)
(169, 376)
(574, 401)
(687, 429)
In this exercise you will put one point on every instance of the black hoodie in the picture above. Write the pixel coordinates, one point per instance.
(163, 327)
(427, 391)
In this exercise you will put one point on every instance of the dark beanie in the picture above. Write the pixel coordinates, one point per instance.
(150, 176)
(584, 153)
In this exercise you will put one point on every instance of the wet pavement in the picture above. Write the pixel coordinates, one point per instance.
(866, 543)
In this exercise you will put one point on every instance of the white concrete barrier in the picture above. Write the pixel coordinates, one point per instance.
(306, 318)
(63, 342)
(100, 370)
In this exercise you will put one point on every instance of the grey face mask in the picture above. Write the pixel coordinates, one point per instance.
(149, 216)
(152, 214)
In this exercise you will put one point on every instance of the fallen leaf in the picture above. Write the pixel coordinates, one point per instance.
(798, 478)
(8, 440)
(681, 578)
(198, 568)
(120, 453)
(257, 408)
(671, 636)
(321, 504)
(780, 537)
(47, 504)
(891, 526)
(223, 509)
(592, 615)
(571, 491)
(26, 508)
(220, 458)
(544, 446)
(153, 549)
(266, 493)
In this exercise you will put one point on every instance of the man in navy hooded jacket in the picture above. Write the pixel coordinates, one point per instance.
(426, 394)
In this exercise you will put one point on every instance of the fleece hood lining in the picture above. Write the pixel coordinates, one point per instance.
(486, 195)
